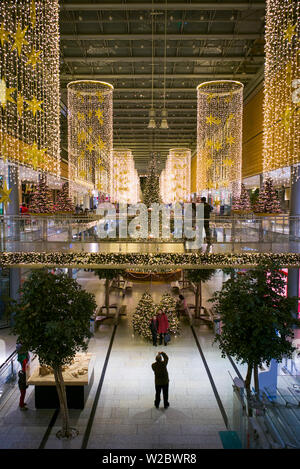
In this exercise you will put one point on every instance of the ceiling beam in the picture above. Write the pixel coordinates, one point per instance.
(131, 76)
(160, 37)
(162, 6)
(179, 59)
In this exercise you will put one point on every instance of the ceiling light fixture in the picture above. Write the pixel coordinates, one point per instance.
(152, 123)
(164, 122)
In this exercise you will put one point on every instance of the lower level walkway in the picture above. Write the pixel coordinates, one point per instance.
(125, 417)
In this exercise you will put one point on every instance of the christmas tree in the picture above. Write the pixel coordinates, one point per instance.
(64, 203)
(168, 306)
(267, 200)
(242, 204)
(41, 201)
(146, 309)
(142, 316)
(151, 191)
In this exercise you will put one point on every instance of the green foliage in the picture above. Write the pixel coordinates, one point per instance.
(199, 275)
(52, 318)
(151, 191)
(254, 196)
(257, 321)
(108, 274)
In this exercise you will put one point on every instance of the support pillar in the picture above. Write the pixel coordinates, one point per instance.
(294, 230)
(13, 209)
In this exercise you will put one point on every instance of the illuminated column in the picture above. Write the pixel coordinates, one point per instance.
(162, 186)
(90, 134)
(29, 86)
(219, 135)
(178, 172)
(281, 128)
(123, 176)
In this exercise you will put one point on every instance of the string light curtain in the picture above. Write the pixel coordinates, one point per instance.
(219, 135)
(163, 186)
(90, 134)
(29, 86)
(124, 177)
(178, 172)
(281, 135)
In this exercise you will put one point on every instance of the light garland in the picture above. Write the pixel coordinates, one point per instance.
(219, 135)
(177, 182)
(124, 177)
(29, 87)
(124, 261)
(90, 134)
(281, 127)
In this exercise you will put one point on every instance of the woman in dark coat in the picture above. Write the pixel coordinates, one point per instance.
(154, 326)
(163, 326)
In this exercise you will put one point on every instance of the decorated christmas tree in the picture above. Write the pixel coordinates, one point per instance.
(41, 201)
(151, 191)
(267, 200)
(64, 203)
(168, 306)
(145, 310)
(242, 203)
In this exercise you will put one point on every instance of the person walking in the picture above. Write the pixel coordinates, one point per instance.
(163, 326)
(161, 379)
(207, 209)
(181, 306)
(153, 327)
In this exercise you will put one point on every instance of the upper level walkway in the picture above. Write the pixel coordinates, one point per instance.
(77, 241)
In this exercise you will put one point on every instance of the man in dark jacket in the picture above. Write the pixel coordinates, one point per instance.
(161, 378)
(153, 327)
(22, 386)
(207, 209)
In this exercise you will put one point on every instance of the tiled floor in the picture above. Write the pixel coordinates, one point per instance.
(125, 416)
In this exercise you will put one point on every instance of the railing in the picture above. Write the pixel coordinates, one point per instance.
(276, 233)
(8, 377)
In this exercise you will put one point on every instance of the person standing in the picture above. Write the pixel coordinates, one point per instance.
(161, 379)
(207, 209)
(163, 326)
(153, 327)
(22, 387)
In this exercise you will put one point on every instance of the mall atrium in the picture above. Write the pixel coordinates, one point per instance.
(150, 225)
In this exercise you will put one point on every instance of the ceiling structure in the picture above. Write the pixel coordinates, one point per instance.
(115, 42)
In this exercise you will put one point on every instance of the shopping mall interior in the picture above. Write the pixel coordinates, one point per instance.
(149, 225)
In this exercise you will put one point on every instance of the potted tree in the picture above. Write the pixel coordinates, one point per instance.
(257, 320)
(108, 275)
(52, 320)
(198, 276)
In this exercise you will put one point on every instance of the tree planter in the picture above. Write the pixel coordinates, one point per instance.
(258, 214)
(241, 212)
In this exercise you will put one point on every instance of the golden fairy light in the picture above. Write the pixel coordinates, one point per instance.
(281, 127)
(177, 177)
(124, 177)
(163, 181)
(90, 134)
(29, 87)
(219, 135)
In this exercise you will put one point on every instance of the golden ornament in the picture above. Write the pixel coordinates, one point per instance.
(4, 35)
(19, 39)
(34, 105)
(5, 94)
(290, 32)
(5, 192)
(33, 57)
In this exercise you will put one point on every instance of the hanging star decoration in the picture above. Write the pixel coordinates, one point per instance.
(99, 161)
(5, 192)
(4, 149)
(34, 106)
(82, 174)
(5, 94)
(290, 32)
(209, 142)
(228, 99)
(99, 186)
(80, 116)
(217, 203)
(286, 118)
(4, 35)
(225, 183)
(228, 162)
(20, 104)
(99, 115)
(81, 137)
(218, 145)
(80, 96)
(34, 156)
(90, 147)
(81, 156)
(229, 119)
(33, 58)
(210, 96)
(19, 39)
(212, 120)
(33, 14)
(230, 139)
(90, 113)
(100, 96)
(100, 144)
